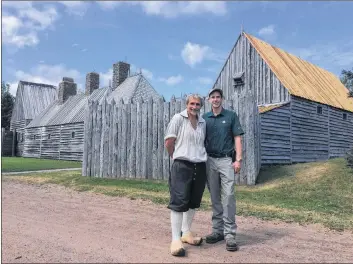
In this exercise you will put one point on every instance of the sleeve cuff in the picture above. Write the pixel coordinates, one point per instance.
(170, 136)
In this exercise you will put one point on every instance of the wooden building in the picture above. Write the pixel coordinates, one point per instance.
(58, 131)
(31, 99)
(305, 112)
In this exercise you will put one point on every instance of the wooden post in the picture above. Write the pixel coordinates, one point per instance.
(139, 139)
(111, 140)
(133, 144)
(160, 129)
(166, 119)
(14, 141)
(144, 168)
(119, 144)
(85, 140)
(123, 148)
(114, 140)
(155, 140)
(149, 137)
(2, 140)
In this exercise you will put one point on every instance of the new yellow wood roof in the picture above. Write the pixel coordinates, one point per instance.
(266, 108)
(303, 79)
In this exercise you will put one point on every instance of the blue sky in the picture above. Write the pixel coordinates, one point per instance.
(179, 46)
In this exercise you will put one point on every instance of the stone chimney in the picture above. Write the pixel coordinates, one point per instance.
(67, 88)
(121, 71)
(92, 82)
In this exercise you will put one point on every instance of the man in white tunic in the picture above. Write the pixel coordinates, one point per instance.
(184, 140)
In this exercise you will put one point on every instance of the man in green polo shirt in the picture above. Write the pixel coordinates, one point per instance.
(223, 136)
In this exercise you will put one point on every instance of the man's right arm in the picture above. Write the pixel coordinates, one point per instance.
(171, 134)
(169, 144)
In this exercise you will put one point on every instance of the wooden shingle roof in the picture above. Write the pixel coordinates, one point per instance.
(269, 107)
(303, 79)
(71, 111)
(134, 87)
(31, 99)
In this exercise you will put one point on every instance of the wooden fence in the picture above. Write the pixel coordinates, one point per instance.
(7, 143)
(126, 139)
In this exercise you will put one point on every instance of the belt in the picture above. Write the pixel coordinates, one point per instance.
(188, 162)
(220, 155)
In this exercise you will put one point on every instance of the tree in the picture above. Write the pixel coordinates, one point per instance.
(7, 104)
(347, 80)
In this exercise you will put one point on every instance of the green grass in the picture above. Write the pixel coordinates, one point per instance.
(320, 192)
(17, 164)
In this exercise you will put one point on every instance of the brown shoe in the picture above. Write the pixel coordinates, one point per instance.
(190, 239)
(177, 248)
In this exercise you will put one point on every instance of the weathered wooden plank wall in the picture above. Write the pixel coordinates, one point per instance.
(131, 138)
(32, 143)
(63, 142)
(19, 127)
(50, 143)
(265, 86)
(309, 131)
(6, 142)
(340, 132)
(276, 136)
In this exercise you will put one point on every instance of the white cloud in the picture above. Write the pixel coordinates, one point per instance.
(48, 74)
(105, 77)
(77, 8)
(84, 50)
(193, 54)
(38, 19)
(170, 9)
(195, 7)
(267, 31)
(10, 27)
(13, 88)
(172, 80)
(147, 73)
(20, 29)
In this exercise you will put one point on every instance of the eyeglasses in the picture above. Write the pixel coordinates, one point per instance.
(197, 104)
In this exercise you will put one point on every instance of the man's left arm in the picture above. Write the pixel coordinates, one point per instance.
(237, 132)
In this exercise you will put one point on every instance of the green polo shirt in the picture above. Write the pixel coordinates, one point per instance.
(220, 132)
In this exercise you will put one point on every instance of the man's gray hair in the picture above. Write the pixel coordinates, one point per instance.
(194, 96)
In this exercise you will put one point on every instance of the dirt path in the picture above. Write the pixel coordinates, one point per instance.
(53, 224)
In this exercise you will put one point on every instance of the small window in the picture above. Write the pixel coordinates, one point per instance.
(72, 134)
(21, 137)
(238, 79)
(344, 116)
(319, 109)
(48, 136)
(34, 137)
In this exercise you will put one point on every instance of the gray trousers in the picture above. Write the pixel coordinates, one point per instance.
(221, 183)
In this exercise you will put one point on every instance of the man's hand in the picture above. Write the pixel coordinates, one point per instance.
(169, 144)
(237, 166)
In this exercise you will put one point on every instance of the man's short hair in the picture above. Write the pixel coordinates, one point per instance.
(195, 96)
